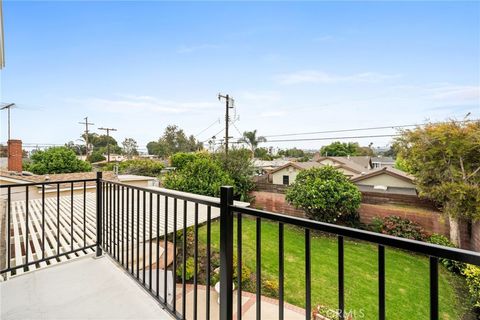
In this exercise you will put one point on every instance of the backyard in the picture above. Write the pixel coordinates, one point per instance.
(407, 280)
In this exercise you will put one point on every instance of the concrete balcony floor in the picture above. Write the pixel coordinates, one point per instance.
(85, 288)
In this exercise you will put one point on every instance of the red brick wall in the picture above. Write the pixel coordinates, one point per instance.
(274, 202)
(431, 221)
(15, 155)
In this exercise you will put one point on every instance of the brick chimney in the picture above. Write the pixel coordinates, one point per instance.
(15, 154)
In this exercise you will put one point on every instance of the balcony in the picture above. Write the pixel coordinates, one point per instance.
(89, 255)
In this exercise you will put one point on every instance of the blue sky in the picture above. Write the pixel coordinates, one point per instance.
(292, 67)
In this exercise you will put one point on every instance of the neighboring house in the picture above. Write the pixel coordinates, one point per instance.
(286, 174)
(381, 162)
(262, 166)
(386, 180)
(349, 166)
(138, 181)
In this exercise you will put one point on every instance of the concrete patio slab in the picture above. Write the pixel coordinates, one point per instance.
(85, 288)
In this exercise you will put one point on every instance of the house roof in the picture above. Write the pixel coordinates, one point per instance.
(383, 159)
(59, 177)
(355, 164)
(385, 170)
(299, 165)
(269, 163)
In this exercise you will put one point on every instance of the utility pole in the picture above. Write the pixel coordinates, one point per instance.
(86, 123)
(8, 107)
(228, 105)
(108, 140)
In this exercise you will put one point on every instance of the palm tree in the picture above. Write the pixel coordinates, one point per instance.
(251, 139)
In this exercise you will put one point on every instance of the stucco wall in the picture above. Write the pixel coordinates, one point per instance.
(292, 172)
(386, 180)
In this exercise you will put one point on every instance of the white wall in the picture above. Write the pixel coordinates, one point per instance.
(386, 180)
(292, 172)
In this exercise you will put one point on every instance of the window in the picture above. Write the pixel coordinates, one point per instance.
(286, 180)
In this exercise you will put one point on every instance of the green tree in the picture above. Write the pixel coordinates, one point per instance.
(201, 176)
(262, 154)
(96, 157)
(445, 160)
(239, 166)
(56, 160)
(339, 149)
(173, 140)
(130, 147)
(79, 149)
(325, 194)
(293, 153)
(251, 139)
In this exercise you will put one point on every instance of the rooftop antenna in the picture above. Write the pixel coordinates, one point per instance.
(108, 140)
(7, 107)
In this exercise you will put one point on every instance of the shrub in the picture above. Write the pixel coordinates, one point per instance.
(376, 225)
(189, 270)
(404, 228)
(181, 159)
(202, 176)
(472, 276)
(56, 160)
(270, 287)
(451, 265)
(95, 157)
(325, 194)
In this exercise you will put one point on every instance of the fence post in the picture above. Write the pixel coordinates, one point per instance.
(226, 253)
(99, 214)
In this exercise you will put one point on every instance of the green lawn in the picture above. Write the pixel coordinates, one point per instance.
(407, 275)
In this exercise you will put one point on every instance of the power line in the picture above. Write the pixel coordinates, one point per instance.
(336, 138)
(358, 129)
(233, 124)
(216, 121)
(215, 135)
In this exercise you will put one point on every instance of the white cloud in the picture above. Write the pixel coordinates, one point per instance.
(272, 114)
(455, 92)
(204, 46)
(260, 97)
(314, 76)
(134, 104)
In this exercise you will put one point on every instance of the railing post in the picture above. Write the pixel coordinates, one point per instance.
(99, 214)
(226, 253)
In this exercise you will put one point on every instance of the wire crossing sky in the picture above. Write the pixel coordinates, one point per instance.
(291, 67)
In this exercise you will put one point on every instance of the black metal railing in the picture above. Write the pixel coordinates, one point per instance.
(45, 223)
(136, 222)
(229, 211)
(145, 231)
